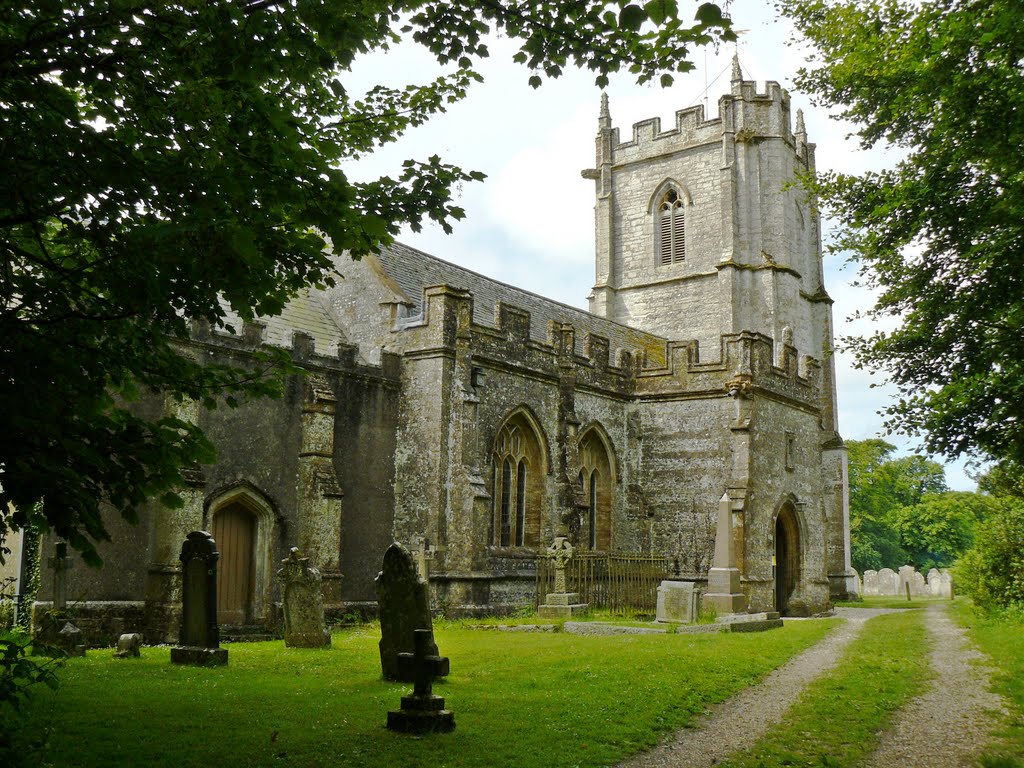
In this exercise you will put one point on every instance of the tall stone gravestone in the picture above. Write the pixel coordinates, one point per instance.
(403, 601)
(199, 642)
(870, 582)
(724, 595)
(907, 580)
(303, 603)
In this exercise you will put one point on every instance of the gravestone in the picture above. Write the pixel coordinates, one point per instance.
(70, 640)
(920, 586)
(403, 601)
(61, 564)
(946, 585)
(423, 711)
(907, 580)
(888, 582)
(678, 601)
(303, 603)
(423, 557)
(559, 602)
(870, 582)
(933, 582)
(199, 641)
(128, 646)
(724, 594)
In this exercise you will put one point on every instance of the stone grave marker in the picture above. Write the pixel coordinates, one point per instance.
(906, 577)
(61, 564)
(403, 601)
(199, 641)
(870, 583)
(724, 594)
(678, 602)
(423, 711)
(559, 602)
(303, 603)
(128, 646)
(888, 582)
(933, 582)
(920, 586)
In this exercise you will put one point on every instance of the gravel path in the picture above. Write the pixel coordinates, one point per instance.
(737, 723)
(950, 724)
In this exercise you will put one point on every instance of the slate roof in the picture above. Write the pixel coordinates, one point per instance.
(307, 313)
(414, 270)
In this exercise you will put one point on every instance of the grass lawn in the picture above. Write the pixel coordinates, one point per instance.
(520, 699)
(883, 601)
(1002, 639)
(837, 719)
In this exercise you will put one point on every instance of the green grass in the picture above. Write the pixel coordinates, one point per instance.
(1001, 638)
(882, 601)
(523, 699)
(837, 719)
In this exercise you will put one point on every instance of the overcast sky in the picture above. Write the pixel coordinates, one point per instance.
(531, 223)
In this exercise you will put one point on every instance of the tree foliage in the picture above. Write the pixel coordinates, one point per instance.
(880, 486)
(941, 234)
(166, 162)
(939, 528)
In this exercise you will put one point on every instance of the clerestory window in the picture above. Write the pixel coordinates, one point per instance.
(671, 228)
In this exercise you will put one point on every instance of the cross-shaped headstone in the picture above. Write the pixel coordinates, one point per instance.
(560, 553)
(421, 665)
(61, 564)
(423, 557)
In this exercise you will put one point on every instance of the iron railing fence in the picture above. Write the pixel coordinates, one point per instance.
(618, 581)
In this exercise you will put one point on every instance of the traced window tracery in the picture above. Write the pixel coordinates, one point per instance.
(518, 485)
(595, 481)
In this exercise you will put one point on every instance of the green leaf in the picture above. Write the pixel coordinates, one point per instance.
(632, 17)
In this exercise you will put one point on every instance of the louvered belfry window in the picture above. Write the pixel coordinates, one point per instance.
(671, 229)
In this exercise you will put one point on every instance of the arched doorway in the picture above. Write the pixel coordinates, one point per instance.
(234, 531)
(787, 557)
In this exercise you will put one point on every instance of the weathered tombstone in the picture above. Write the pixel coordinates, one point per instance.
(403, 601)
(423, 557)
(946, 585)
(303, 603)
(870, 583)
(560, 602)
(907, 580)
(199, 642)
(678, 601)
(70, 639)
(724, 593)
(61, 564)
(933, 582)
(423, 711)
(888, 582)
(920, 585)
(128, 646)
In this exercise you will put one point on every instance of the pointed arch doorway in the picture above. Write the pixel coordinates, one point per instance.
(787, 557)
(234, 531)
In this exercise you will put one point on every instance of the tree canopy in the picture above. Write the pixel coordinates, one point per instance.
(167, 162)
(940, 235)
(882, 484)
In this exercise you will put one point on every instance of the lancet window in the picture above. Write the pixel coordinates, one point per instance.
(670, 233)
(595, 480)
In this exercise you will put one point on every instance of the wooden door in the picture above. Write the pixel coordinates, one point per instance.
(234, 530)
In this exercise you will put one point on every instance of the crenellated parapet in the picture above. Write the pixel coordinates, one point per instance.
(747, 357)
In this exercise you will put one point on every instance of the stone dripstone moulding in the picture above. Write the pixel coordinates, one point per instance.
(200, 635)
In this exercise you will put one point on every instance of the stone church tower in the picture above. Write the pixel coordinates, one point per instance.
(703, 232)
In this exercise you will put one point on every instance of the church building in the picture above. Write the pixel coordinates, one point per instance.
(471, 419)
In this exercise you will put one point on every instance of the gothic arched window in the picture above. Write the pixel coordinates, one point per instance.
(518, 485)
(595, 480)
(670, 232)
